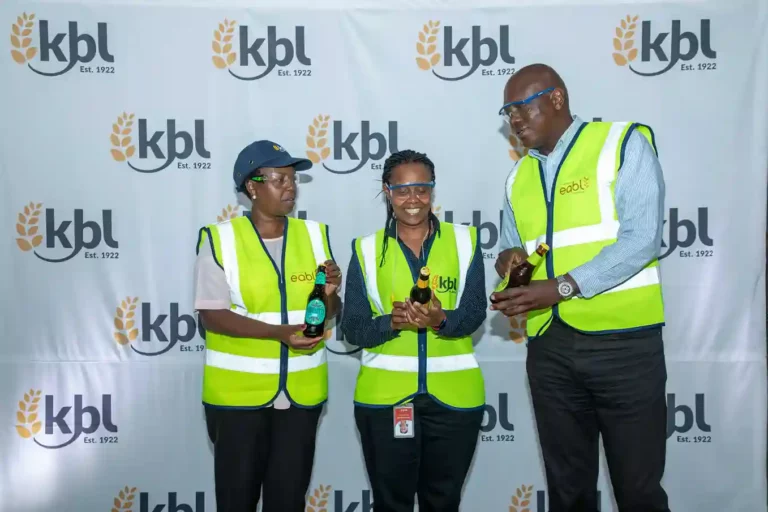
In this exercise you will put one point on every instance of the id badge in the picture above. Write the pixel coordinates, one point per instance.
(403, 415)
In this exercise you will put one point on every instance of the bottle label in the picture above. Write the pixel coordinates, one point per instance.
(320, 279)
(315, 313)
(503, 284)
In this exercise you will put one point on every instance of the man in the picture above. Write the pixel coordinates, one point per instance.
(594, 192)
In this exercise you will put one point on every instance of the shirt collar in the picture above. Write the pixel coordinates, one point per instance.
(433, 221)
(564, 140)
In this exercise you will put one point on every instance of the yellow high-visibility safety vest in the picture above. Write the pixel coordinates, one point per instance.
(419, 362)
(250, 372)
(577, 220)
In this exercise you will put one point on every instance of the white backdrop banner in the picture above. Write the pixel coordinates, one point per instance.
(121, 122)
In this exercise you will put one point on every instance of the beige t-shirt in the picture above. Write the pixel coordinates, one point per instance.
(212, 290)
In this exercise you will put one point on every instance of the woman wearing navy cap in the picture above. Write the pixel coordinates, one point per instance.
(264, 383)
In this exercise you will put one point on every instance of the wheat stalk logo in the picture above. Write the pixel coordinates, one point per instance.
(27, 417)
(222, 45)
(21, 39)
(517, 151)
(623, 42)
(124, 321)
(427, 47)
(317, 139)
(124, 500)
(522, 499)
(518, 328)
(228, 213)
(121, 138)
(318, 500)
(27, 227)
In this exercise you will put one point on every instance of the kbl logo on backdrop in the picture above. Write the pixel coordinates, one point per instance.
(57, 56)
(151, 333)
(656, 55)
(687, 238)
(343, 146)
(167, 145)
(526, 499)
(462, 56)
(487, 230)
(683, 418)
(496, 419)
(319, 500)
(61, 427)
(126, 498)
(259, 55)
(63, 240)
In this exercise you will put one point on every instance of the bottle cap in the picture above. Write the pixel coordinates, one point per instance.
(544, 246)
(424, 271)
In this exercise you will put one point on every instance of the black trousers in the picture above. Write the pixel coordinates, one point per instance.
(433, 464)
(269, 447)
(583, 386)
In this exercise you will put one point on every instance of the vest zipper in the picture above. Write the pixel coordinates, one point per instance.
(550, 201)
(283, 305)
(282, 384)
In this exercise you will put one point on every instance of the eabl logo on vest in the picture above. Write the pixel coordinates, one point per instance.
(456, 61)
(61, 242)
(167, 145)
(125, 501)
(689, 417)
(138, 325)
(258, 56)
(56, 58)
(656, 57)
(342, 144)
(86, 419)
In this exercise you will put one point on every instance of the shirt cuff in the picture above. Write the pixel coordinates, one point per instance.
(383, 325)
(586, 282)
(452, 320)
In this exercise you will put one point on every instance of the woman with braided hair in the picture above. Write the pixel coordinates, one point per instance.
(420, 392)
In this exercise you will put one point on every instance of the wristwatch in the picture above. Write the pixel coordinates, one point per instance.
(564, 288)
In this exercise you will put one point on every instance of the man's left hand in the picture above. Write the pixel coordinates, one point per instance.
(332, 277)
(516, 301)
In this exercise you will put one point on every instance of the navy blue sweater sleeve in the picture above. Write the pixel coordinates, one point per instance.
(473, 307)
(359, 326)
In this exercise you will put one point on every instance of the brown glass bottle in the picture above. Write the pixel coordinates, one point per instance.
(314, 316)
(420, 292)
(521, 275)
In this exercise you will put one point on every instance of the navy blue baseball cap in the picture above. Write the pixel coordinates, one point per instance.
(265, 153)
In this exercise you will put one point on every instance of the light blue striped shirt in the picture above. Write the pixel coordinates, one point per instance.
(640, 208)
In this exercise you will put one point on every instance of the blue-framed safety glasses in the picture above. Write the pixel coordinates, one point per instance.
(421, 189)
(507, 109)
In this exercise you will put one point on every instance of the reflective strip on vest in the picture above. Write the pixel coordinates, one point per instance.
(262, 365)
(410, 364)
(229, 262)
(368, 247)
(294, 317)
(608, 228)
(463, 248)
(232, 270)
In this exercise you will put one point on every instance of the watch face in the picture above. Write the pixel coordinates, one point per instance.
(565, 288)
